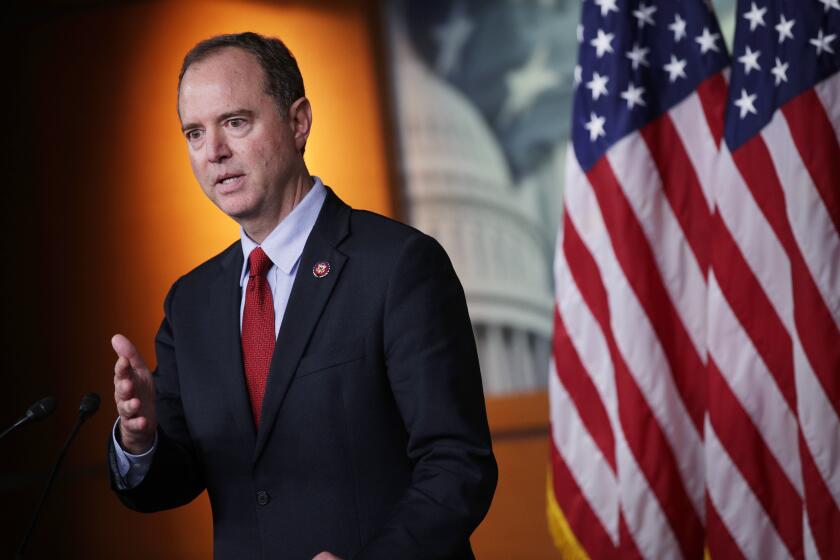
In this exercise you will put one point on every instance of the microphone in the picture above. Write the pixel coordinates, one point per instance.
(37, 411)
(88, 407)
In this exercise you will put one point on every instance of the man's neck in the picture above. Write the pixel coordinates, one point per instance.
(259, 229)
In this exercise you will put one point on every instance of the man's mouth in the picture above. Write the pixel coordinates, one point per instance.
(228, 179)
(229, 183)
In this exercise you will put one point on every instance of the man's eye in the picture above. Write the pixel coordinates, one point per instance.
(236, 123)
(193, 135)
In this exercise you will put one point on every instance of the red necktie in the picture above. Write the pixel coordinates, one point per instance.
(257, 329)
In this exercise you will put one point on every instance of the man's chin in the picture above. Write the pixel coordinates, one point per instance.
(237, 212)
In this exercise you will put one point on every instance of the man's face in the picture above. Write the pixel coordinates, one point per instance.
(243, 150)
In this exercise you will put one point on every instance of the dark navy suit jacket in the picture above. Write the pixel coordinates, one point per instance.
(373, 441)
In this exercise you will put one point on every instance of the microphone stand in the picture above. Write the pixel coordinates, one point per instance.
(12, 428)
(83, 415)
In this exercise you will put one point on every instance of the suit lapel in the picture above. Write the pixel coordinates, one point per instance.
(226, 349)
(307, 300)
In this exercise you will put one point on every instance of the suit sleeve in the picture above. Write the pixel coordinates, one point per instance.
(175, 476)
(433, 369)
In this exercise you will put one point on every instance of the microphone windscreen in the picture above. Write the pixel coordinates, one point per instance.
(90, 404)
(41, 409)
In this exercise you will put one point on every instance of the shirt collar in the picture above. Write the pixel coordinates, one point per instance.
(284, 245)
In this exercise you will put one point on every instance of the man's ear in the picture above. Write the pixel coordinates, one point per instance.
(300, 119)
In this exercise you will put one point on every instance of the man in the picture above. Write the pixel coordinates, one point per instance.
(319, 377)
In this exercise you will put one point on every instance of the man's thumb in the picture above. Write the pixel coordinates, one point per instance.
(124, 348)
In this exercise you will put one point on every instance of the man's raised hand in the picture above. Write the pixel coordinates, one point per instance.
(134, 395)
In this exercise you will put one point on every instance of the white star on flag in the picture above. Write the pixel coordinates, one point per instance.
(580, 33)
(675, 69)
(746, 103)
(578, 75)
(637, 56)
(823, 42)
(606, 6)
(750, 60)
(633, 96)
(595, 126)
(708, 41)
(645, 15)
(755, 16)
(602, 43)
(784, 28)
(598, 85)
(780, 71)
(831, 4)
(678, 27)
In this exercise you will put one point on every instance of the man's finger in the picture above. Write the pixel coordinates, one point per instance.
(124, 389)
(124, 348)
(123, 410)
(122, 369)
(137, 424)
(128, 408)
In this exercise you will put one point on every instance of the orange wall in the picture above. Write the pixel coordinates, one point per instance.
(102, 214)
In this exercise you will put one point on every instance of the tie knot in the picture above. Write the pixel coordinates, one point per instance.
(259, 262)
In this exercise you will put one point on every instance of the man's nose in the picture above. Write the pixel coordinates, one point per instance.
(217, 147)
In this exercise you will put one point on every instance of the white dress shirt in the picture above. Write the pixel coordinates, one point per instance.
(284, 246)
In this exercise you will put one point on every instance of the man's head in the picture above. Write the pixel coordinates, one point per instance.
(281, 75)
(246, 121)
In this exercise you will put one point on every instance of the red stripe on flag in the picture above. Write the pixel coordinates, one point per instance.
(582, 391)
(586, 526)
(758, 466)
(753, 310)
(644, 435)
(718, 538)
(817, 329)
(680, 184)
(712, 93)
(814, 137)
(823, 514)
(639, 265)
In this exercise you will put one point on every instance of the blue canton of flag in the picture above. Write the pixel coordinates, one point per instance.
(781, 49)
(633, 69)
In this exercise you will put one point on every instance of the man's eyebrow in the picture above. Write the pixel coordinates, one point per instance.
(236, 113)
(220, 118)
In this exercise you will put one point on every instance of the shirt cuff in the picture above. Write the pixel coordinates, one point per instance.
(132, 468)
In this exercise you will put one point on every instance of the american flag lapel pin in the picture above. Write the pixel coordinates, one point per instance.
(321, 269)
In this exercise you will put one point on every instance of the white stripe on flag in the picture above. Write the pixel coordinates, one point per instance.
(812, 227)
(755, 238)
(588, 466)
(639, 179)
(753, 385)
(698, 141)
(586, 337)
(818, 421)
(808, 544)
(737, 506)
(643, 514)
(829, 93)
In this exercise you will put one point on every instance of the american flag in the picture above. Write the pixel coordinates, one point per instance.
(695, 386)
